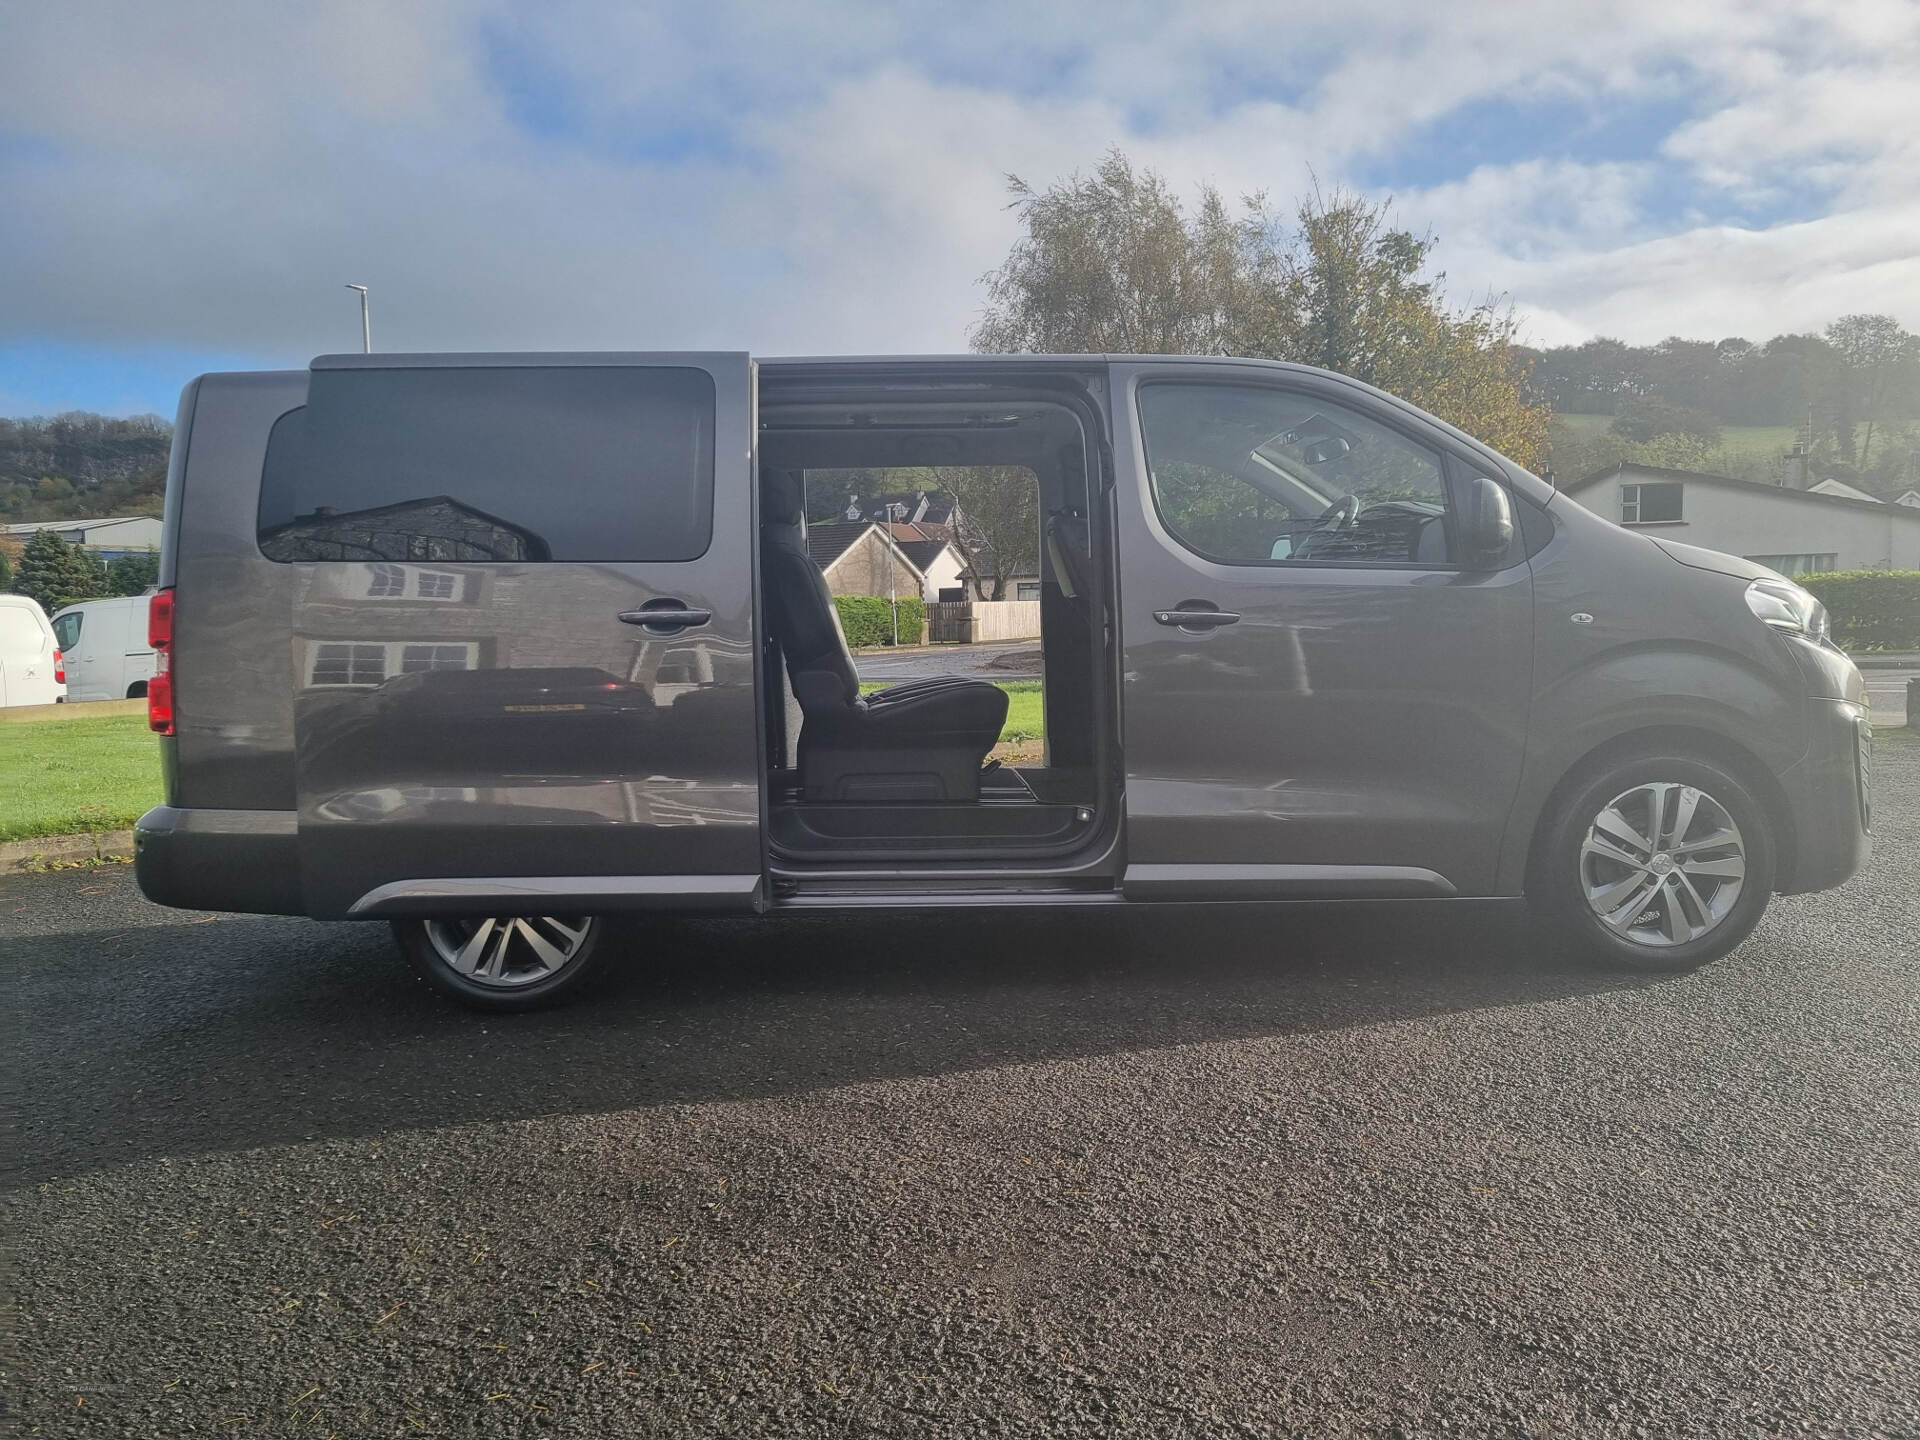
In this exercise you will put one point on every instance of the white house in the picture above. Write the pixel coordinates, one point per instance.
(1797, 532)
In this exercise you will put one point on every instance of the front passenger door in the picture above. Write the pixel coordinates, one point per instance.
(1319, 699)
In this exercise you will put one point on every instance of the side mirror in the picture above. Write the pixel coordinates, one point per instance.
(1487, 529)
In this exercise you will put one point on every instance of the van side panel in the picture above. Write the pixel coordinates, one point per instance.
(232, 665)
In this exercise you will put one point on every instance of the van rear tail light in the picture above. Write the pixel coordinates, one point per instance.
(160, 687)
(59, 668)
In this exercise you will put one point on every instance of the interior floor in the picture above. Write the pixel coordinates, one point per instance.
(866, 777)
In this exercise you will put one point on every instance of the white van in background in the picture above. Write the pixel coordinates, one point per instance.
(31, 670)
(106, 649)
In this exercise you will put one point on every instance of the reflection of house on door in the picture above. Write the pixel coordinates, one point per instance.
(385, 619)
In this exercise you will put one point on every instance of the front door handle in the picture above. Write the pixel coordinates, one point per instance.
(665, 617)
(1196, 617)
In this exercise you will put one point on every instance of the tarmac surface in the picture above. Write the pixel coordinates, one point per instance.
(1374, 1171)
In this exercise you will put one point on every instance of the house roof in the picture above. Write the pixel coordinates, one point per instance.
(827, 543)
(928, 507)
(921, 552)
(1840, 487)
(1778, 492)
(28, 527)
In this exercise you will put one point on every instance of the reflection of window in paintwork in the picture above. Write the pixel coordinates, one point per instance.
(343, 664)
(485, 463)
(437, 585)
(386, 580)
(416, 658)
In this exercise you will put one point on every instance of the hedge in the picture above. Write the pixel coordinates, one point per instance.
(868, 620)
(1871, 609)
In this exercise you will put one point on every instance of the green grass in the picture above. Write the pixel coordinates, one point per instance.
(60, 777)
(1026, 715)
(1768, 441)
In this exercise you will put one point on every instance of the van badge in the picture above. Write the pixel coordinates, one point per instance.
(1580, 617)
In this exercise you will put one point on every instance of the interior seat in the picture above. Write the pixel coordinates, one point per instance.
(922, 740)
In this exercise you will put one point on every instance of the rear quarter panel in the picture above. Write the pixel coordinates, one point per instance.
(232, 658)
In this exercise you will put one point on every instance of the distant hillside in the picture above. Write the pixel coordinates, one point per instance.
(80, 466)
(1848, 400)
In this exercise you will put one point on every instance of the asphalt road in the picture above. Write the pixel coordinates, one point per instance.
(1252, 1172)
(947, 660)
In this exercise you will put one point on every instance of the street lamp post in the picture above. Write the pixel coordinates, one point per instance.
(366, 322)
(893, 598)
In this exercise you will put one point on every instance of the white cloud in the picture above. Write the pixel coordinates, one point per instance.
(734, 173)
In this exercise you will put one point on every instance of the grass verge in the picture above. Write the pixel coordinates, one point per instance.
(62, 777)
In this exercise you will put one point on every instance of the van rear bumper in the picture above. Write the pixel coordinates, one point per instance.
(1830, 795)
(241, 860)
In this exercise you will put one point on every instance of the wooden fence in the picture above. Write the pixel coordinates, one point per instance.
(966, 622)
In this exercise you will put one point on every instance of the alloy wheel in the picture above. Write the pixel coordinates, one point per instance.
(1662, 864)
(506, 952)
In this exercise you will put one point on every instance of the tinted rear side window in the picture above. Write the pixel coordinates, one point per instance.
(569, 463)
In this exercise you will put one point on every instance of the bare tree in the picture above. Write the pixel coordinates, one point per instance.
(996, 522)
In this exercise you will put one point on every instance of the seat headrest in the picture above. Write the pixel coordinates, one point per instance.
(783, 497)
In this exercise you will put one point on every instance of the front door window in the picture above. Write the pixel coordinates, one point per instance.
(1247, 475)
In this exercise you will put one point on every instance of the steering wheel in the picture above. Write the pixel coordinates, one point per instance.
(1340, 514)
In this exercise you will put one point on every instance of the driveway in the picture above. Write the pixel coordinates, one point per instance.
(1243, 1172)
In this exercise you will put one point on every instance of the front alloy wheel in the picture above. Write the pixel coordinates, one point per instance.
(1657, 863)
(1662, 864)
(505, 962)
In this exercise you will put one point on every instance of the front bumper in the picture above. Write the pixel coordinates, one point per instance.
(1829, 796)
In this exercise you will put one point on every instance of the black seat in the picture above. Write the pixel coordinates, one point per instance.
(922, 740)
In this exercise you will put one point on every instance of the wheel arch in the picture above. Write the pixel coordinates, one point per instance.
(1669, 739)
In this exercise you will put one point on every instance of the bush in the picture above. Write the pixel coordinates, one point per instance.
(868, 620)
(1871, 609)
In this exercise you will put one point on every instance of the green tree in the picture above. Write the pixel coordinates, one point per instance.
(6, 571)
(56, 573)
(1112, 262)
(1877, 364)
(132, 574)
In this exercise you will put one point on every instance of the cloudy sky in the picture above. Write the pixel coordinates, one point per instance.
(188, 186)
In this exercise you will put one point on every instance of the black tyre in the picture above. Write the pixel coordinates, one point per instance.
(1657, 863)
(504, 962)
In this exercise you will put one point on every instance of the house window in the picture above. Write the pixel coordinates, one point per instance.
(349, 664)
(372, 662)
(386, 581)
(1650, 504)
(437, 585)
(1026, 590)
(1817, 563)
(415, 658)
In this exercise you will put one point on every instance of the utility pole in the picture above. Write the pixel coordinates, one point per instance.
(366, 322)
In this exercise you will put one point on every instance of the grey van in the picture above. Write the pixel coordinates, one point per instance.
(492, 647)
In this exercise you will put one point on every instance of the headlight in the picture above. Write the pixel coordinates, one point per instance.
(1785, 606)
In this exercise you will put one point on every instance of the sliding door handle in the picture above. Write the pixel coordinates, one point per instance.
(1196, 617)
(665, 618)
